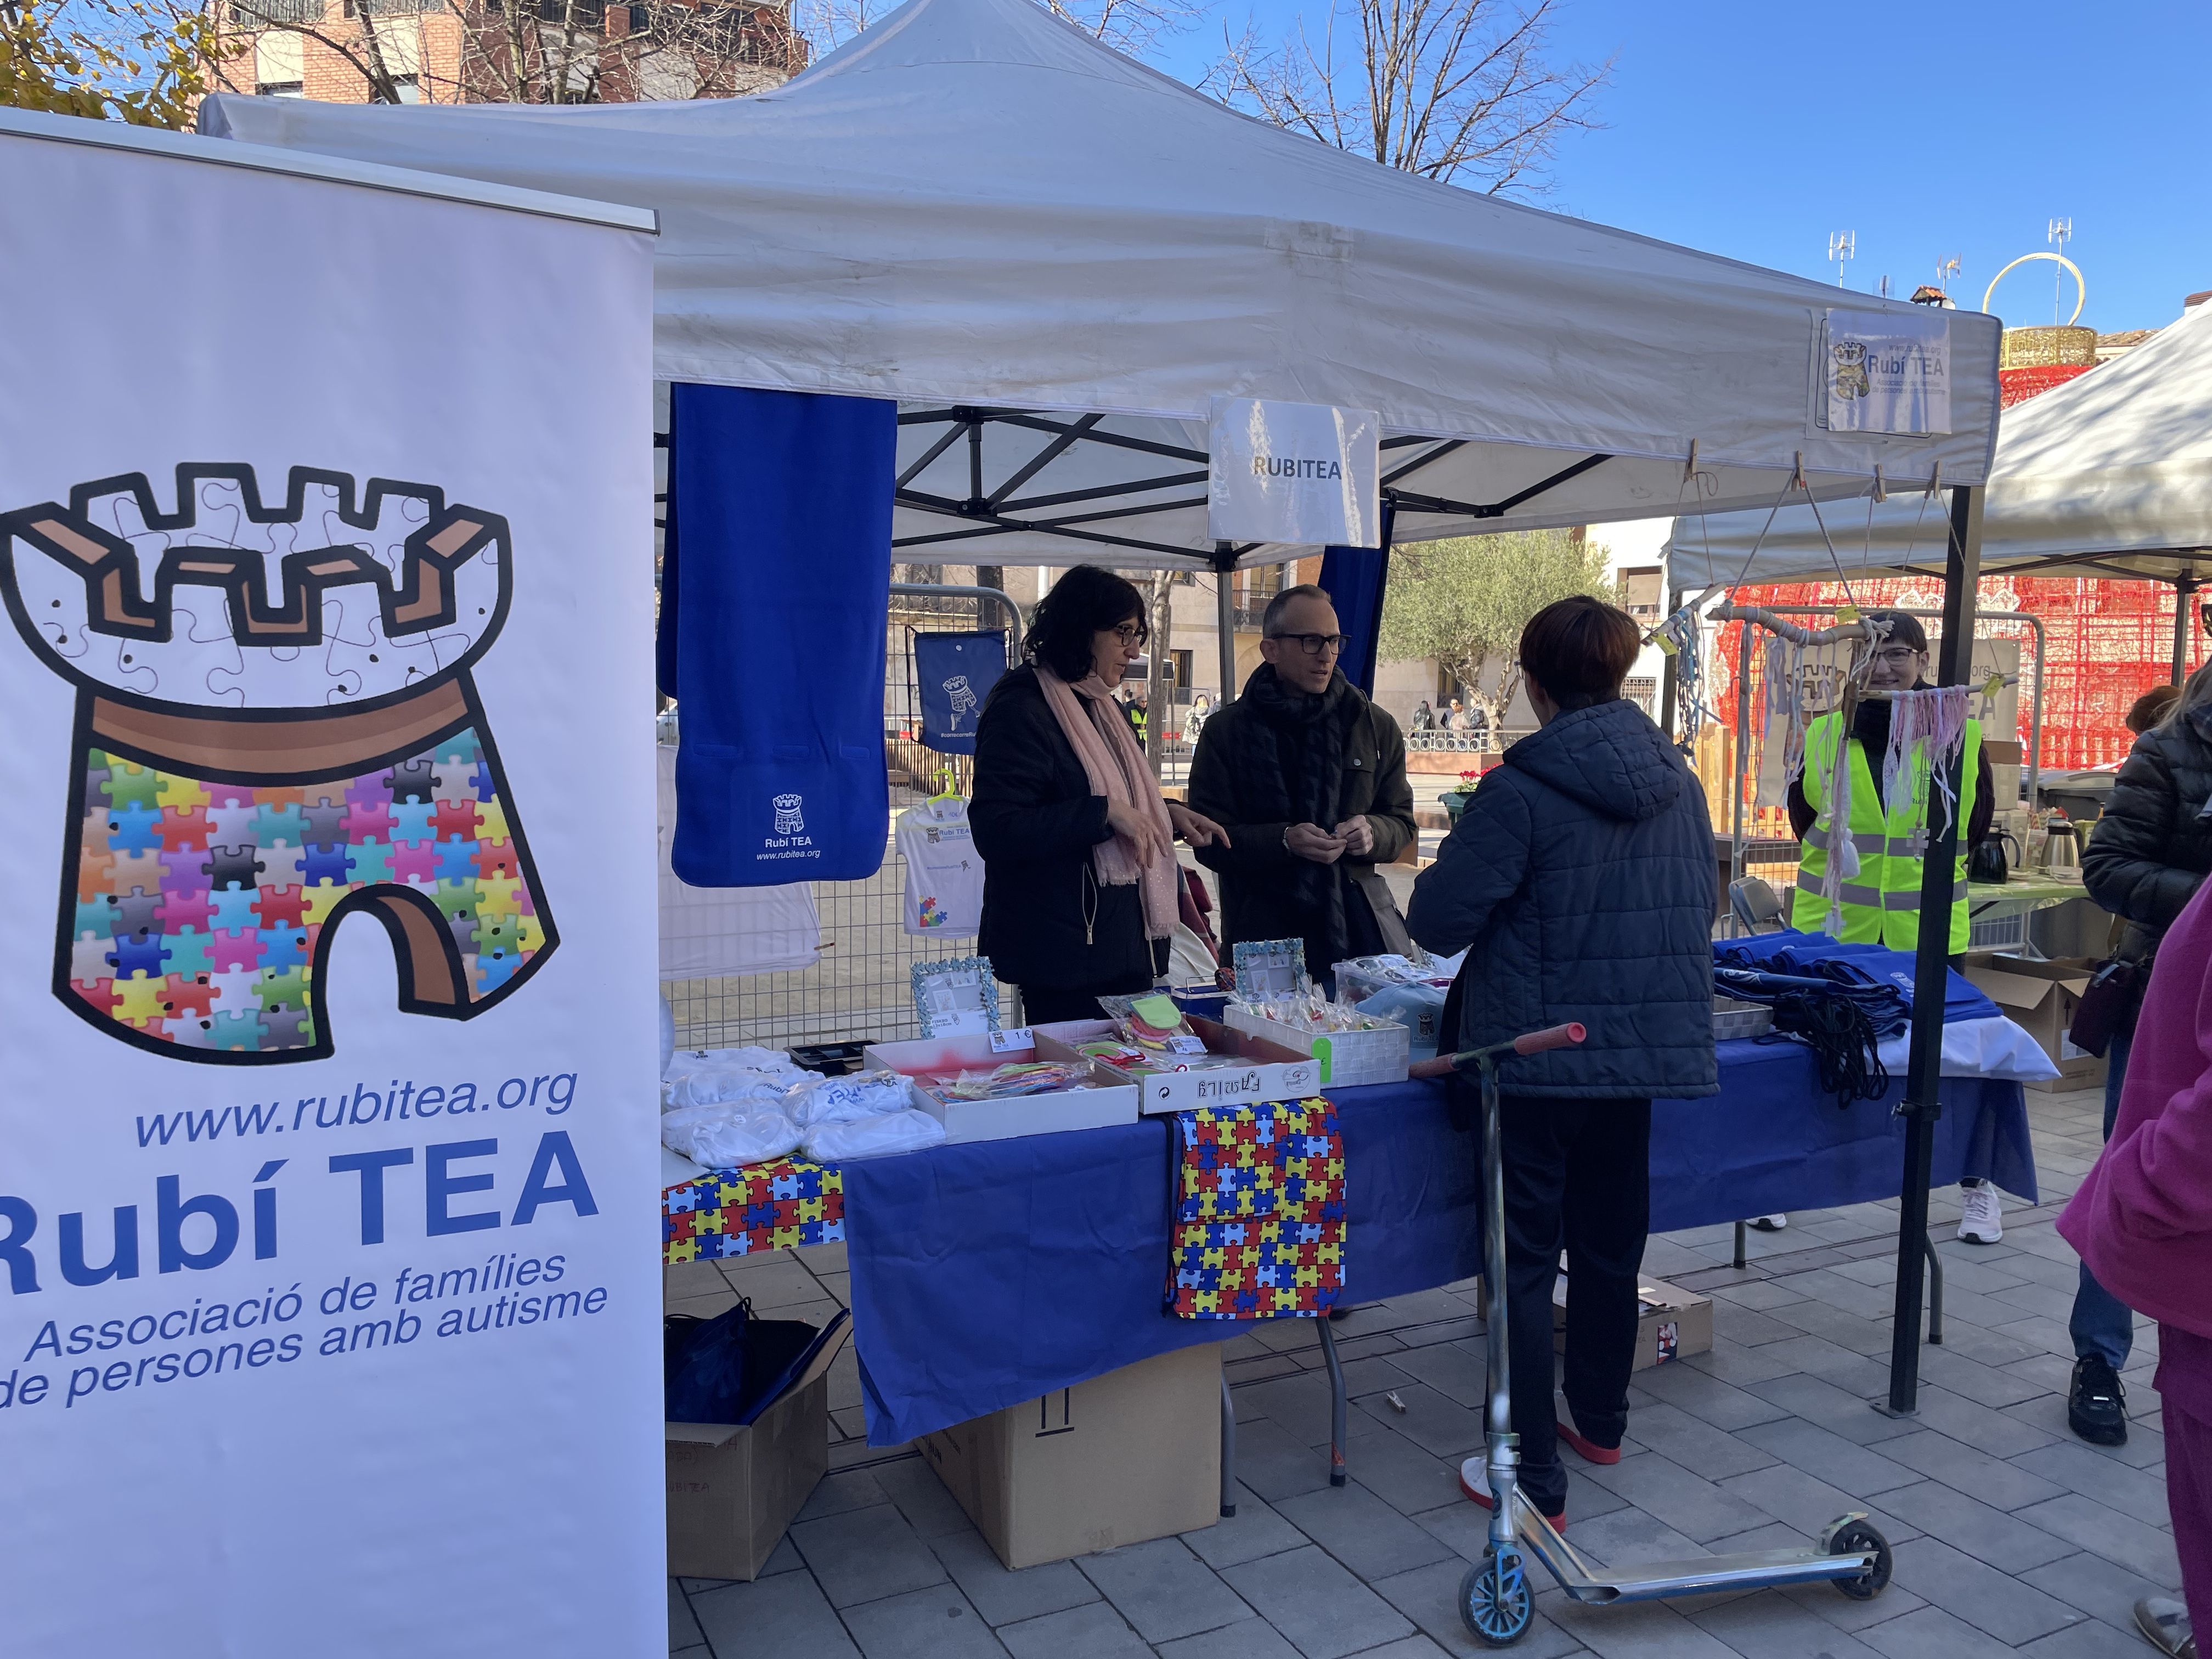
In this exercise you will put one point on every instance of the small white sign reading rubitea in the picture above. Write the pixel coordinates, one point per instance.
(1305, 473)
(1886, 372)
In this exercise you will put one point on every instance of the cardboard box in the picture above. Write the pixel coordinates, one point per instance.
(1670, 1322)
(1101, 1104)
(732, 1491)
(1271, 1072)
(1345, 1058)
(2040, 997)
(1135, 1454)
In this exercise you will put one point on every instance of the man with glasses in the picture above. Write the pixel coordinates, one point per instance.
(1308, 777)
(1881, 902)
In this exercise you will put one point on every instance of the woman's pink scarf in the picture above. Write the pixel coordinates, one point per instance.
(1095, 728)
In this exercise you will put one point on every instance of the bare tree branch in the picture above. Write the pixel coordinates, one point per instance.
(1135, 27)
(1444, 87)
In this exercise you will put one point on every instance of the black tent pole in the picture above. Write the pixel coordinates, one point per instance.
(1922, 1104)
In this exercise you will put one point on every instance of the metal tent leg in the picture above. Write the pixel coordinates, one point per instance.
(1935, 1294)
(1337, 1473)
(1742, 1228)
(1228, 1451)
(1923, 1102)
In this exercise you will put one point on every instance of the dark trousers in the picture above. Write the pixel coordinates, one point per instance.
(1578, 1178)
(2102, 1324)
(1043, 1005)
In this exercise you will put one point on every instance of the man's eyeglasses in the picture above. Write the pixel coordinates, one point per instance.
(1130, 633)
(1316, 645)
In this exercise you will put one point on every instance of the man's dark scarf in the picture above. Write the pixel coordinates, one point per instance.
(1301, 734)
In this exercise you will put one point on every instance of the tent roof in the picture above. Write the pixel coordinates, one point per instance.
(2108, 475)
(976, 206)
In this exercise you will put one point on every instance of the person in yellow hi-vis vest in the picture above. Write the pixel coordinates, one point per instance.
(1881, 902)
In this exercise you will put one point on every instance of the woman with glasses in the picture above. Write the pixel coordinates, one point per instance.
(1309, 777)
(1079, 874)
(1880, 903)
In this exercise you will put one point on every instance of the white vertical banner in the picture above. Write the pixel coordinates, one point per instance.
(1887, 372)
(1302, 473)
(329, 1260)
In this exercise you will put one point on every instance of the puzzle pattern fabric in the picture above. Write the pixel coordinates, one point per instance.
(776, 1206)
(201, 907)
(1259, 1212)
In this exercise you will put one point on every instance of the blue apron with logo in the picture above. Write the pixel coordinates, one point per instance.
(773, 613)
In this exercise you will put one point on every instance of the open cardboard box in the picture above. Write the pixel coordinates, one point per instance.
(1269, 1072)
(1671, 1322)
(2040, 997)
(1107, 1100)
(734, 1490)
(1131, 1455)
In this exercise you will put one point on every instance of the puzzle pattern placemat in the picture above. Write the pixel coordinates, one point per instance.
(1259, 1212)
(764, 1207)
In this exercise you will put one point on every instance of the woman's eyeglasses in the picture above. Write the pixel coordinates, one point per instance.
(1897, 656)
(1131, 632)
(1316, 645)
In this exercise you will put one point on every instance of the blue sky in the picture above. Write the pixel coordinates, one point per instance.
(1755, 129)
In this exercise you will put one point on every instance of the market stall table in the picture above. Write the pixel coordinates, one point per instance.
(987, 1274)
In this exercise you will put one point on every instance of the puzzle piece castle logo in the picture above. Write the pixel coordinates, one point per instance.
(275, 727)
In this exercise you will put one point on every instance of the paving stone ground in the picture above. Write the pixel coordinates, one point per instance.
(2011, 1535)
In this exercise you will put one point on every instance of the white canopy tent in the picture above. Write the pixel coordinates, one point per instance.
(1054, 257)
(2108, 475)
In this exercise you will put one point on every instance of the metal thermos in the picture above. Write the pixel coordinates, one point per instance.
(2062, 847)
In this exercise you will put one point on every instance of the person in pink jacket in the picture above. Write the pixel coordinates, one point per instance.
(2142, 1223)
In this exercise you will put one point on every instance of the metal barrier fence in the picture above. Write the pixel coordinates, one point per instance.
(861, 987)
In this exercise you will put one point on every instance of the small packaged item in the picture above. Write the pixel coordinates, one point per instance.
(729, 1136)
(879, 1136)
(821, 1100)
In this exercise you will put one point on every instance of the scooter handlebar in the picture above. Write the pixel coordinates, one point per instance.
(1558, 1036)
(1531, 1043)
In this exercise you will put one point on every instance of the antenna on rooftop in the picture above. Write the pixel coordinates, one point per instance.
(1843, 245)
(2060, 232)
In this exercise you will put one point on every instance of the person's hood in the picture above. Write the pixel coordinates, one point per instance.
(1610, 758)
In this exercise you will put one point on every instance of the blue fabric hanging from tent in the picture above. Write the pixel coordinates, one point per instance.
(773, 613)
(1354, 579)
(954, 673)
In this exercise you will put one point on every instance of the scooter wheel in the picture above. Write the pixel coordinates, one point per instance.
(1858, 1536)
(1494, 1598)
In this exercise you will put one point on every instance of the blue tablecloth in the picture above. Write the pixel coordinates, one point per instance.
(989, 1274)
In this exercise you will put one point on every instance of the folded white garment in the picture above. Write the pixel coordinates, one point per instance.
(820, 1100)
(1995, 1047)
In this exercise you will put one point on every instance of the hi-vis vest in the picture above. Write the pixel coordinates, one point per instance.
(1882, 903)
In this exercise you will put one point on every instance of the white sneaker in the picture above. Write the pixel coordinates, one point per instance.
(1983, 1220)
(1770, 1224)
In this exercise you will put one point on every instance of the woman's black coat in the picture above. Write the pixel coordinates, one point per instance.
(2151, 849)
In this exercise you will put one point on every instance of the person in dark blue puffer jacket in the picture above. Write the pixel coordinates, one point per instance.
(1582, 883)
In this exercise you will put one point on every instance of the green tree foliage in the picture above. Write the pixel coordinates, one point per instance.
(131, 60)
(1465, 601)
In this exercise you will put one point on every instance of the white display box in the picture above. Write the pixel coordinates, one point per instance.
(1271, 1072)
(1105, 1101)
(1347, 1059)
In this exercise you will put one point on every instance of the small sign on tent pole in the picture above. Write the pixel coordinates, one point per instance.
(1303, 473)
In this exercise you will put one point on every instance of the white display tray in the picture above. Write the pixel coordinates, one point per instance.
(1273, 1072)
(1101, 1104)
(1347, 1059)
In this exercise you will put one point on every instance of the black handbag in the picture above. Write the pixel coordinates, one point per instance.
(2115, 990)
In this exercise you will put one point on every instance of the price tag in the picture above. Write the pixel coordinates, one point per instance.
(1184, 1043)
(1995, 685)
(1847, 613)
(1666, 644)
(1007, 1042)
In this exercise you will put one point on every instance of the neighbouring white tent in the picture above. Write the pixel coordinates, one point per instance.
(1053, 257)
(2108, 475)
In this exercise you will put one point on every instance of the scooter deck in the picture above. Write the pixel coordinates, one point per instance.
(1646, 1581)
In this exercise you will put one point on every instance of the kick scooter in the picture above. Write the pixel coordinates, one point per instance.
(1495, 1598)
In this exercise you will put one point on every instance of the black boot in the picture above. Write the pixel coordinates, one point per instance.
(2096, 1404)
